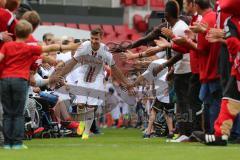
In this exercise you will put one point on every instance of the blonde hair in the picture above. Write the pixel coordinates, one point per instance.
(32, 17)
(23, 29)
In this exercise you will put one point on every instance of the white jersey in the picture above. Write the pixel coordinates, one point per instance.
(161, 85)
(182, 66)
(91, 71)
(64, 56)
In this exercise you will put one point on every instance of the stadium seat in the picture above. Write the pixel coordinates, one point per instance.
(141, 2)
(139, 23)
(135, 37)
(127, 2)
(157, 4)
(72, 25)
(120, 29)
(94, 26)
(123, 37)
(136, 19)
(108, 29)
(84, 27)
(142, 26)
(111, 38)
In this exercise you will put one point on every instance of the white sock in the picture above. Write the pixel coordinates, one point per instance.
(88, 125)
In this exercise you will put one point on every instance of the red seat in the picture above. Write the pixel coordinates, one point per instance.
(94, 26)
(109, 38)
(120, 29)
(136, 19)
(135, 37)
(157, 4)
(72, 25)
(108, 29)
(141, 2)
(127, 2)
(84, 27)
(123, 37)
(59, 24)
(142, 26)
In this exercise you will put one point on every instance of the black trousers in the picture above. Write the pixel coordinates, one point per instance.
(194, 102)
(183, 116)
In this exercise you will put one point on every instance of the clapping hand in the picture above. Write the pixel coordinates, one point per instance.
(128, 55)
(162, 43)
(199, 27)
(215, 35)
(167, 32)
(6, 36)
(180, 40)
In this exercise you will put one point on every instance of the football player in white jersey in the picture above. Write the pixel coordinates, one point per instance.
(92, 55)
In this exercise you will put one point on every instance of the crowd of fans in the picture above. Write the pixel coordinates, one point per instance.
(190, 90)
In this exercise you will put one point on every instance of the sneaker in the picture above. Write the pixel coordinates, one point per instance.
(210, 139)
(85, 136)
(176, 136)
(6, 146)
(73, 125)
(80, 128)
(170, 136)
(38, 130)
(65, 131)
(146, 136)
(182, 138)
(19, 146)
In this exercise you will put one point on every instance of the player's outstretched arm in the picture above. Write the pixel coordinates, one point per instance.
(148, 53)
(59, 47)
(67, 68)
(117, 73)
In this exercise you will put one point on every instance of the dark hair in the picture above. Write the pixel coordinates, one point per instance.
(111, 90)
(22, 9)
(23, 29)
(203, 4)
(97, 31)
(180, 3)
(12, 5)
(45, 35)
(172, 9)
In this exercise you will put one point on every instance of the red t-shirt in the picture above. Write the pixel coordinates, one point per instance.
(31, 40)
(18, 59)
(8, 22)
(208, 53)
(37, 60)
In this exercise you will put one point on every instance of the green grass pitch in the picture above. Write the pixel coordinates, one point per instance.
(118, 144)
